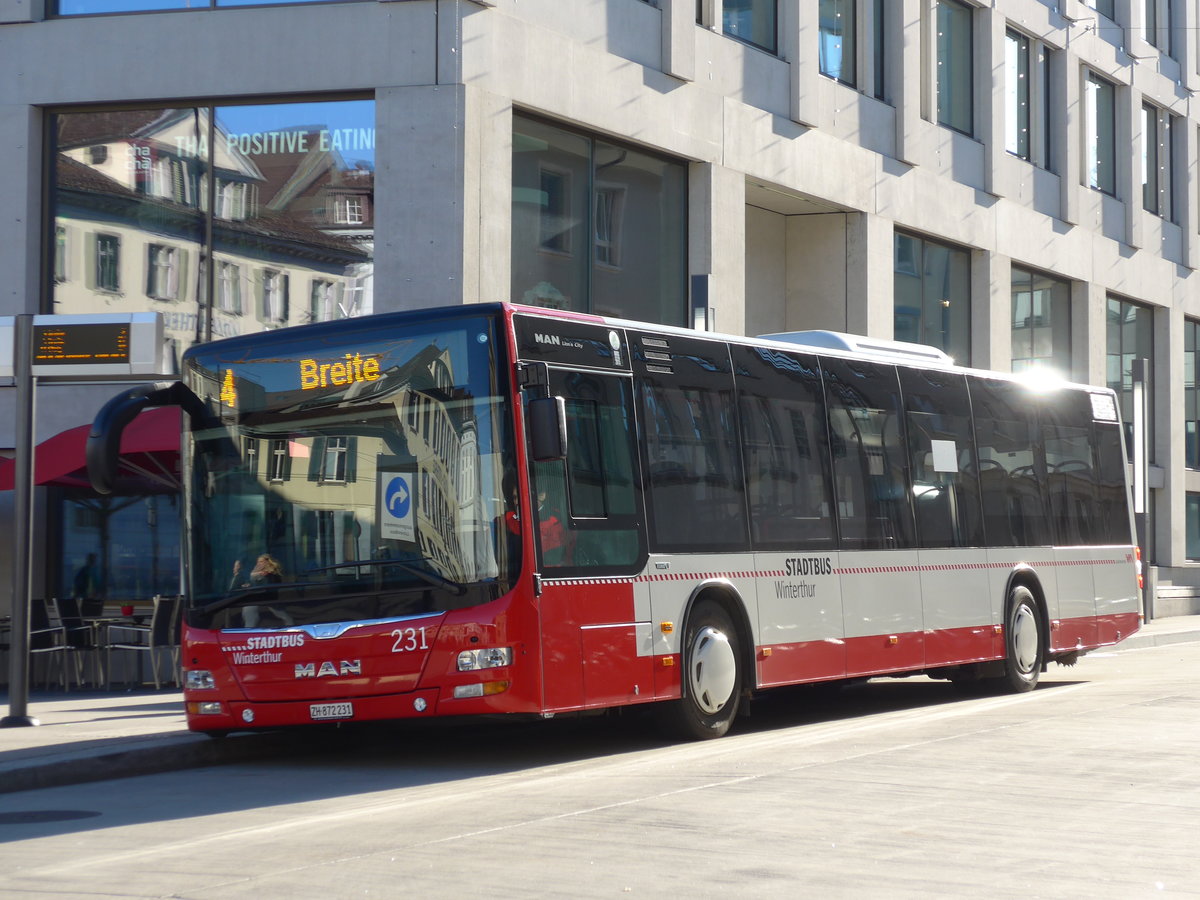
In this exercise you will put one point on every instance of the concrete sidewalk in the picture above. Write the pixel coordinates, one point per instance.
(90, 736)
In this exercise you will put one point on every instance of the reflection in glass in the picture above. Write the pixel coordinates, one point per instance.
(932, 295)
(96, 7)
(287, 195)
(1041, 323)
(135, 539)
(382, 494)
(596, 227)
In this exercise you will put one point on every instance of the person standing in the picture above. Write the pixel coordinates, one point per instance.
(86, 589)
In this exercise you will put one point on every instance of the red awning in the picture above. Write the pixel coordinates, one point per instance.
(149, 455)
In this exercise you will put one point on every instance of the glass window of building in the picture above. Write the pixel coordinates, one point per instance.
(955, 66)
(284, 198)
(1104, 7)
(932, 295)
(1130, 335)
(838, 43)
(1041, 322)
(133, 542)
(1027, 98)
(596, 226)
(1100, 137)
(752, 21)
(141, 200)
(879, 30)
(1193, 526)
(1191, 395)
(101, 7)
(1158, 161)
(1159, 27)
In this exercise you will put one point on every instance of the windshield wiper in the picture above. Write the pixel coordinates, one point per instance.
(427, 575)
(241, 595)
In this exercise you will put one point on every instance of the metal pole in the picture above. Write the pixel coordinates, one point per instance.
(18, 679)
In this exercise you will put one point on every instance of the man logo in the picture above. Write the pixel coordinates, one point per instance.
(328, 669)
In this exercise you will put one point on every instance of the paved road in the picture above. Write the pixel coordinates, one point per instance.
(1087, 787)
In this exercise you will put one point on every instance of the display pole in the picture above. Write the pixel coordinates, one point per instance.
(18, 678)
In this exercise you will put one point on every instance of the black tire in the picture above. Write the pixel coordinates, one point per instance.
(711, 676)
(1024, 643)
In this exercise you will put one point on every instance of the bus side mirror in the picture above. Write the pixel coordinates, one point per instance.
(548, 428)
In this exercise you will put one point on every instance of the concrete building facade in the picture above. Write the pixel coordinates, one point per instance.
(1014, 181)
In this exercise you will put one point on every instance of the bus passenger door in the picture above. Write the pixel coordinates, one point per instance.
(587, 511)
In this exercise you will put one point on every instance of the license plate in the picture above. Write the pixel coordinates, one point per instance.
(331, 711)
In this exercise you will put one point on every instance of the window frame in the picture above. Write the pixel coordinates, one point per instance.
(845, 36)
(1159, 162)
(1100, 173)
(949, 90)
(1037, 362)
(107, 264)
(1036, 97)
(1191, 393)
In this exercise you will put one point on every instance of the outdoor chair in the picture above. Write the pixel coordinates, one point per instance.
(48, 642)
(81, 636)
(160, 637)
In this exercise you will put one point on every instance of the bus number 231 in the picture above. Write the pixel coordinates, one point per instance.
(409, 639)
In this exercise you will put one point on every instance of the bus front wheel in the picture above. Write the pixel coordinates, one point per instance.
(1024, 642)
(712, 676)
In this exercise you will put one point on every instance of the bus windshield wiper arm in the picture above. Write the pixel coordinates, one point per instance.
(426, 575)
(240, 595)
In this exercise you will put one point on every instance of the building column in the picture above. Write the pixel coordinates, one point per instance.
(990, 28)
(801, 26)
(870, 275)
(420, 196)
(910, 78)
(1129, 166)
(991, 311)
(487, 213)
(679, 38)
(1089, 332)
(1066, 129)
(1185, 198)
(1170, 520)
(717, 242)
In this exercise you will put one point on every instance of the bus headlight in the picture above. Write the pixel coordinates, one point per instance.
(491, 658)
(200, 680)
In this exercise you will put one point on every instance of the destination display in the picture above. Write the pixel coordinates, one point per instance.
(75, 344)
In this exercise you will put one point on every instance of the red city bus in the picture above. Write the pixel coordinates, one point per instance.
(498, 509)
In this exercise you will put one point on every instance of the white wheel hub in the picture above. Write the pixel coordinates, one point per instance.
(1025, 639)
(712, 671)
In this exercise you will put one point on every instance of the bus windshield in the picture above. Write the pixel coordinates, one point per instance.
(356, 474)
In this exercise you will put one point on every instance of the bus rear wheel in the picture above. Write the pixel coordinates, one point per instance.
(1024, 642)
(712, 676)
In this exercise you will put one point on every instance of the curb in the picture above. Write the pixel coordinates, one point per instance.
(164, 754)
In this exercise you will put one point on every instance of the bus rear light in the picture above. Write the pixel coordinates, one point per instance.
(467, 691)
(199, 680)
(491, 658)
(1137, 555)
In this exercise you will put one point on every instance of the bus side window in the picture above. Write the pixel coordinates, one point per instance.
(785, 449)
(696, 487)
(870, 465)
(946, 480)
(1012, 464)
(587, 506)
